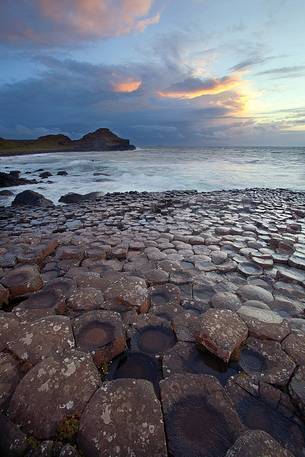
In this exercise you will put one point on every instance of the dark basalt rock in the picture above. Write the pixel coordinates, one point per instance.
(13, 442)
(45, 174)
(200, 420)
(6, 193)
(123, 418)
(9, 378)
(9, 180)
(44, 302)
(187, 358)
(79, 198)
(153, 339)
(62, 173)
(164, 294)
(31, 198)
(22, 280)
(101, 334)
(256, 443)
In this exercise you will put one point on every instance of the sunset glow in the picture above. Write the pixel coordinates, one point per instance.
(127, 86)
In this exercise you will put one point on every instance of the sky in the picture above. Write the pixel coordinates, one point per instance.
(159, 72)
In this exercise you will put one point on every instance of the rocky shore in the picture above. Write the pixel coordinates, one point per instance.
(154, 324)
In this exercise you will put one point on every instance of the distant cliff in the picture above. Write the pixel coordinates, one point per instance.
(100, 140)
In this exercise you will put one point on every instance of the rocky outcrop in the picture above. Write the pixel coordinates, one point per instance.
(100, 140)
(29, 197)
(9, 180)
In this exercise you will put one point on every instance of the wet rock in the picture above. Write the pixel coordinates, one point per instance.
(6, 193)
(22, 280)
(9, 180)
(153, 337)
(225, 300)
(190, 402)
(101, 334)
(250, 269)
(222, 333)
(187, 326)
(72, 197)
(43, 337)
(250, 292)
(70, 451)
(297, 262)
(9, 378)
(127, 293)
(4, 296)
(31, 198)
(45, 302)
(62, 173)
(257, 443)
(114, 424)
(188, 358)
(203, 291)
(261, 406)
(297, 388)
(45, 174)
(13, 442)
(294, 346)
(266, 361)
(57, 387)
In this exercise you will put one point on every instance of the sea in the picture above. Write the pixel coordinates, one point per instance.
(160, 169)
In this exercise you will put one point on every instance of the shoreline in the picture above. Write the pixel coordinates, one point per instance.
(181, 298)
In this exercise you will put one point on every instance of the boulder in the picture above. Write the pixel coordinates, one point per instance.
(22, 280)
(222, 333)
(294, 346)
(45, 174)
(257, 443)
(250, 292)
(13, 442)
(264, 324)
(62, 173)
(9, 378)
(225, 300)
(31, 198)
(125, 293)
(8, 180)
(9, 327)
(124, 419)
(72, 197)
(199, 417)
(55, 389)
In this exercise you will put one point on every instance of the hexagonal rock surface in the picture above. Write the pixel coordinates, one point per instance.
(123, 419)
(42, 303)
(43, 337)
(9, 378)
(165, 294)
(85, 299)
(225, 300)
(101, 334)
(266, 361)
(153, 336)
(264, 324)
(222, 333)
(9, 326)
(257, 443)
(297, 388)
(186, 326)
(187, 358)
(250, 292)
(4, 296)
(56, 388)
(127, 293)
(22, 280)
(261, 406)
(294, 346)
(200, 420)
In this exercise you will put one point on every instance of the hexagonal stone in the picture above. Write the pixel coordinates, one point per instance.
(101, 334)
(22, 280)
(257, 443)
(9, 378)
(266, 361)
(250, 269)
(297, 262)
(127, 292)
(4, 296)
(164, 294)
(45, 302)
(261, 406)
(57, 387)
(44, 337)
(153, 336)
(297, 388)
(225, 300)
(200, 420)
(294, 346)
(116, 423)
(9, 327)
(249, 292)
(222, 333)
(85, 299)
(13, 442)
(264, 324)
(187, 358)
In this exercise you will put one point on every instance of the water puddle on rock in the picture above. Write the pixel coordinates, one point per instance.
(95, 335)
(155, 339)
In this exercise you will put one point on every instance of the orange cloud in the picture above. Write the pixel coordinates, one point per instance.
(127, 86)
(194, 87)
(100, 18)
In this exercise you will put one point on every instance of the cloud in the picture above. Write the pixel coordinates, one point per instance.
(128, 86)
(284, 72)
(46, 22)
(194, 87)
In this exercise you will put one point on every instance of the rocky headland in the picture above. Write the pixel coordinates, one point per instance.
(100, 140)
(154, 324)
